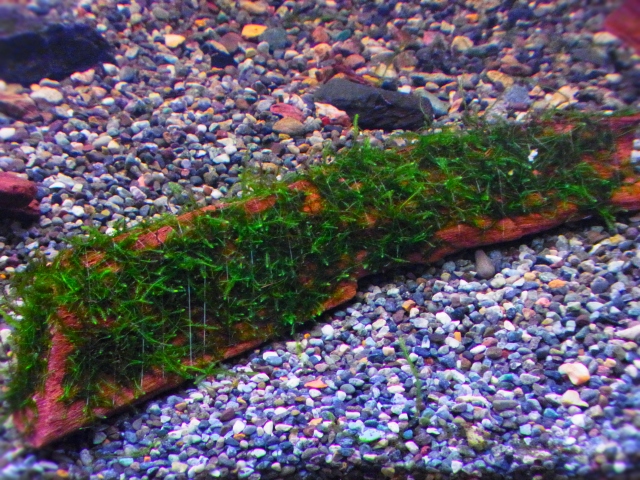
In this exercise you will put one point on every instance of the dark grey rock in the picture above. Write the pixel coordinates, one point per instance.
(128, 74)
(376, 108)
(517, 96)
(484, 265)
(55, 52)
(502, 405)
(599, 285)
(276, 38)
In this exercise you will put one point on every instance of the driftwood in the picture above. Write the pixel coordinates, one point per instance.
(52, 419)
(623, 23)
(18, 197)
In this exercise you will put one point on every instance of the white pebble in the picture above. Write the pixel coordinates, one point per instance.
(222, 158)
(85, 78)
(578, 420)
(378, 324)
(327, 331)
(114, 147)
(6, 133)
(172, 40)
(230, 149)
(478, 349)
(604, 38)
(101, 141)
(443, 318)
(5, 335)
(395, 389)
(77, 211)
(283, 427)
(293, 382)
(452, 342)
(313, 393)
(629, 333)
(258, 453)
(216, 194)
(238, 426)
(615, 266)
(577, 372)
(268, 427)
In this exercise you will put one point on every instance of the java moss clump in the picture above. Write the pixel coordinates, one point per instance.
(154, 308)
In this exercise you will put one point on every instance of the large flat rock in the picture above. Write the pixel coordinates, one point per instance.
(376, 108)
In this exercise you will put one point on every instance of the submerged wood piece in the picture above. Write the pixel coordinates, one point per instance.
(52, 418)
(624, 21)
(18, 197)
(55, 420)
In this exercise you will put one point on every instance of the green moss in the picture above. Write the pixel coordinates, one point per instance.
(154, 308)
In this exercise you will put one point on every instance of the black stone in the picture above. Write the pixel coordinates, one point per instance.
(518, 13)
(376, 108)
(219, 58)
(55, 52)
(437, 337)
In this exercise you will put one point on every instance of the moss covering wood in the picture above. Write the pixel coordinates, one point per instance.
(273, 258)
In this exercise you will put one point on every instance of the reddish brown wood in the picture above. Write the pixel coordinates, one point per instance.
(15, 191)
(20, 107)
(17, 197)
(624, 21)
(54, 420)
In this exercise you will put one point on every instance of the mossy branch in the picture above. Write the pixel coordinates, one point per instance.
(216, 279)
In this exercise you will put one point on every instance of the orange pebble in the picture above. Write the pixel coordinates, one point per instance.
(557, 283)
(316, 384)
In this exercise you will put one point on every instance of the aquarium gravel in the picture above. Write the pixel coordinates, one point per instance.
(533, 371)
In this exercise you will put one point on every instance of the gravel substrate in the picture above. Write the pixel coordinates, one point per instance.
(532, 372)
